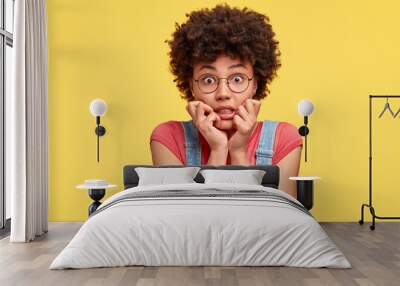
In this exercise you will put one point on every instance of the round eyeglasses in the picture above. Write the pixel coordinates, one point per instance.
(237, 82)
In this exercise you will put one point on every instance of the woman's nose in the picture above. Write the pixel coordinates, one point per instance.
(223, 91)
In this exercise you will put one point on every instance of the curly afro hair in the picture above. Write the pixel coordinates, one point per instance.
(207, 34)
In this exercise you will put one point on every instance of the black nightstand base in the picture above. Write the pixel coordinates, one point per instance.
(96, 195)
(305, 193)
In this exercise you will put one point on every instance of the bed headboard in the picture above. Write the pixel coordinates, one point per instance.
(270, 179)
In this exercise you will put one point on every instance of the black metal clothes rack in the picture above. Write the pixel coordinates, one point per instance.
(370, 206)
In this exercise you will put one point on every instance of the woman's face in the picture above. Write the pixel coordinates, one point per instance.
(224, 85)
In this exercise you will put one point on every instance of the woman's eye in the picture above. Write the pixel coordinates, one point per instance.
(208, 80)
(237, 79)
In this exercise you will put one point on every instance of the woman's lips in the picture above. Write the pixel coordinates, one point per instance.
(226, 114)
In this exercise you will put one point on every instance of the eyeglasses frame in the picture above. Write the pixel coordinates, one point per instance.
(227, 82)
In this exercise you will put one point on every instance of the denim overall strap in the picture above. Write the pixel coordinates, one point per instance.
(265, 149)
(192, 145)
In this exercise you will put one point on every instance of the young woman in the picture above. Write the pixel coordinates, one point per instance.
(223, 60)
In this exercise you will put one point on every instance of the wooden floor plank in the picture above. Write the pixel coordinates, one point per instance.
(374, 255)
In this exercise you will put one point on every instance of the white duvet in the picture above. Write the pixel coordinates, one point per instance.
(183, 231)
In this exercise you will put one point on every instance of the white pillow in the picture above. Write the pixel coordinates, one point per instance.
(249, 177)
(162, 176)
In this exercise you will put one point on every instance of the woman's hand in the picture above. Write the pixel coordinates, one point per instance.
(245, 121)
(204, 118)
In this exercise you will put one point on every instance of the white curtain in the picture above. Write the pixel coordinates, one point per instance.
(26, 123)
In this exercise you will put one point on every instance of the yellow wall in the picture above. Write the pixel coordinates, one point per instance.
(335, 53)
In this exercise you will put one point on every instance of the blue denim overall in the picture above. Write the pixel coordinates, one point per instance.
(264, 150)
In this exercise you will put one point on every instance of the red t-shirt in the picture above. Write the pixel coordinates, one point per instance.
(171, 135)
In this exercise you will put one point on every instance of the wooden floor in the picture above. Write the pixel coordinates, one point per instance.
(374, 255)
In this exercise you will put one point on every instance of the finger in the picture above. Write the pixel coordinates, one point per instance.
(249, 106)
(211, 118)
(188, 107)
(240, 124)
(242, 112)
(257, 106)
(253, 107)
(245, 126)
(191, 108)
(200, 116)
(207, 109)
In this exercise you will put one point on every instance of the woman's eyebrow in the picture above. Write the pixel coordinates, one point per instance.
(207, 67)
(236, 66)
(213, 68)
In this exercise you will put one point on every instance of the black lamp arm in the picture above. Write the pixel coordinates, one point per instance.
(100, 131)
(303, 131)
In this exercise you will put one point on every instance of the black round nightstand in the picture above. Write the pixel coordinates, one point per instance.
(96, 193)
(305, 190)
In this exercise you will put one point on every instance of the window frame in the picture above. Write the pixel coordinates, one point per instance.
(6, 39)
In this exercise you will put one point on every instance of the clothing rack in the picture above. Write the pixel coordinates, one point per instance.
(370, 206)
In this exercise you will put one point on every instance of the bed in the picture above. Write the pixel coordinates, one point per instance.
(201, 224)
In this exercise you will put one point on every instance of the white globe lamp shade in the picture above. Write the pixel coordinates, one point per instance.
(305, 107)
(98, 107)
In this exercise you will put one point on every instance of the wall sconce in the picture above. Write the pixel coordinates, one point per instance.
(305, 108)
(97, 108)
